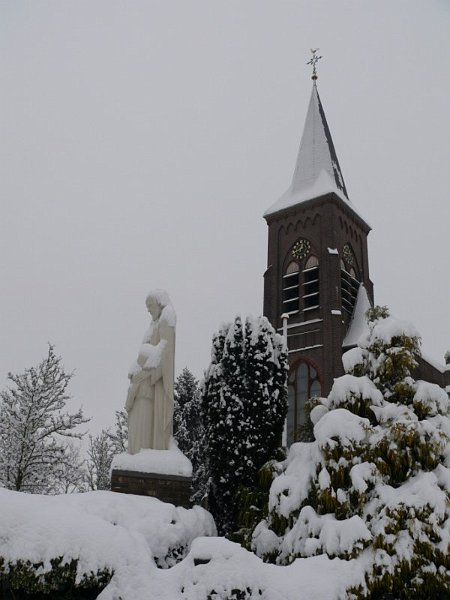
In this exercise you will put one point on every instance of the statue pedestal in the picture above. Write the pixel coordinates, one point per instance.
(174, 489)
(162, 474)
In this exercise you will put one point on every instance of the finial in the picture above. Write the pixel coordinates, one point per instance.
(313, 62)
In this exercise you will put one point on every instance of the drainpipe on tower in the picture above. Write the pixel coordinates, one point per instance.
(285, 319)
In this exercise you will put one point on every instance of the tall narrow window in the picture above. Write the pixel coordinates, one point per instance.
(291, 294)
(310, 285)
(303, 383)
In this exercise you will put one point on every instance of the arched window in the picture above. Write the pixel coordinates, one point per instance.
(312, 261)
(292, 268)
(291, 293)
(310, 285)
(303, 383)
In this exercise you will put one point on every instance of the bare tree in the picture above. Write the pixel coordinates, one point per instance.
(70, 474)
(33, 423)
(100, 455)
(119, 437)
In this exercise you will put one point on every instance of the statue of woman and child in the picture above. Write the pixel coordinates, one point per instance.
(150, 394)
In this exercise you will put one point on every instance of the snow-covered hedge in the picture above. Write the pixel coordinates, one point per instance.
(92, 540)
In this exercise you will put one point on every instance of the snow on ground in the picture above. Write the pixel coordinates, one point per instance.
(124, 533)
(120, 532)
(231, 567)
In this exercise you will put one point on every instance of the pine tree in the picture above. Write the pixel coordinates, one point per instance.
(375, 484)
(32, 427)
(265, 391)
(186, 411)
(243, 405)
(189, 430)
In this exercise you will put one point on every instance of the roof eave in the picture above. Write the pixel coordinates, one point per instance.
(306, 204)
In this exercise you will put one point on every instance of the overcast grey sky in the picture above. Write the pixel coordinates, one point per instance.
(141, 142)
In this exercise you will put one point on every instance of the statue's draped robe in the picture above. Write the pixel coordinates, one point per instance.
(150, 419)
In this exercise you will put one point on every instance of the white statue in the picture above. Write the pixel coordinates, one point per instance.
(150, 395)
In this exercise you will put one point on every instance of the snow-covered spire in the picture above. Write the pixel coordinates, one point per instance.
(317, 171)
(317, 151)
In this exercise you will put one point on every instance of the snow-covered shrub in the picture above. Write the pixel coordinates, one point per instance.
(75, 545)
(374, 485)
(244, 404)
(26, 580)
(252, 501)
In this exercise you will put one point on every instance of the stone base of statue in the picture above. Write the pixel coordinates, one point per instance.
(162, 474)
(167, 488)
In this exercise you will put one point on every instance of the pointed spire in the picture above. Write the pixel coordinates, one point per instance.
(317, 151)
(317, 170)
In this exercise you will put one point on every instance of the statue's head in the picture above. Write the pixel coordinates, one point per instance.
(156, 301)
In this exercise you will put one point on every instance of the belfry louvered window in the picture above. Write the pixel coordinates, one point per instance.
(301, 287)
(291, 289)
(310, 284)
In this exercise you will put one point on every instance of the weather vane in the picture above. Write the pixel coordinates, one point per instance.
(313, 62)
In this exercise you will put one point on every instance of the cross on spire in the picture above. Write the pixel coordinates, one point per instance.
(313, 62)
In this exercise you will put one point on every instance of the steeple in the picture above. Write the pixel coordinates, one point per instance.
(317, 151)
(317, 264)
(317, 171)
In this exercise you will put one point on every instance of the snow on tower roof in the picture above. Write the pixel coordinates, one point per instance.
(358, 325)
(317, 151)
(317, 171)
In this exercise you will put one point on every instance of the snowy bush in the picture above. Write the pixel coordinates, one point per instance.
(374, 485)
(243, 405)
(75, 545)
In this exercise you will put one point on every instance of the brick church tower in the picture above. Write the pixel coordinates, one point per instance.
(317, 268)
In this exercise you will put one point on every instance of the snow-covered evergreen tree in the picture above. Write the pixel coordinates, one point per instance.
(244, 405)
(374, 486)
(186, 419)
(189, 430)
(33, 424)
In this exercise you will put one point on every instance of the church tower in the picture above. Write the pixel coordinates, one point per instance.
(317, 269)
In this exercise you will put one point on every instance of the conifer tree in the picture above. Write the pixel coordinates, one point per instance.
(186, 419)
(374, 486)
(244, 405)
(189, 430)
